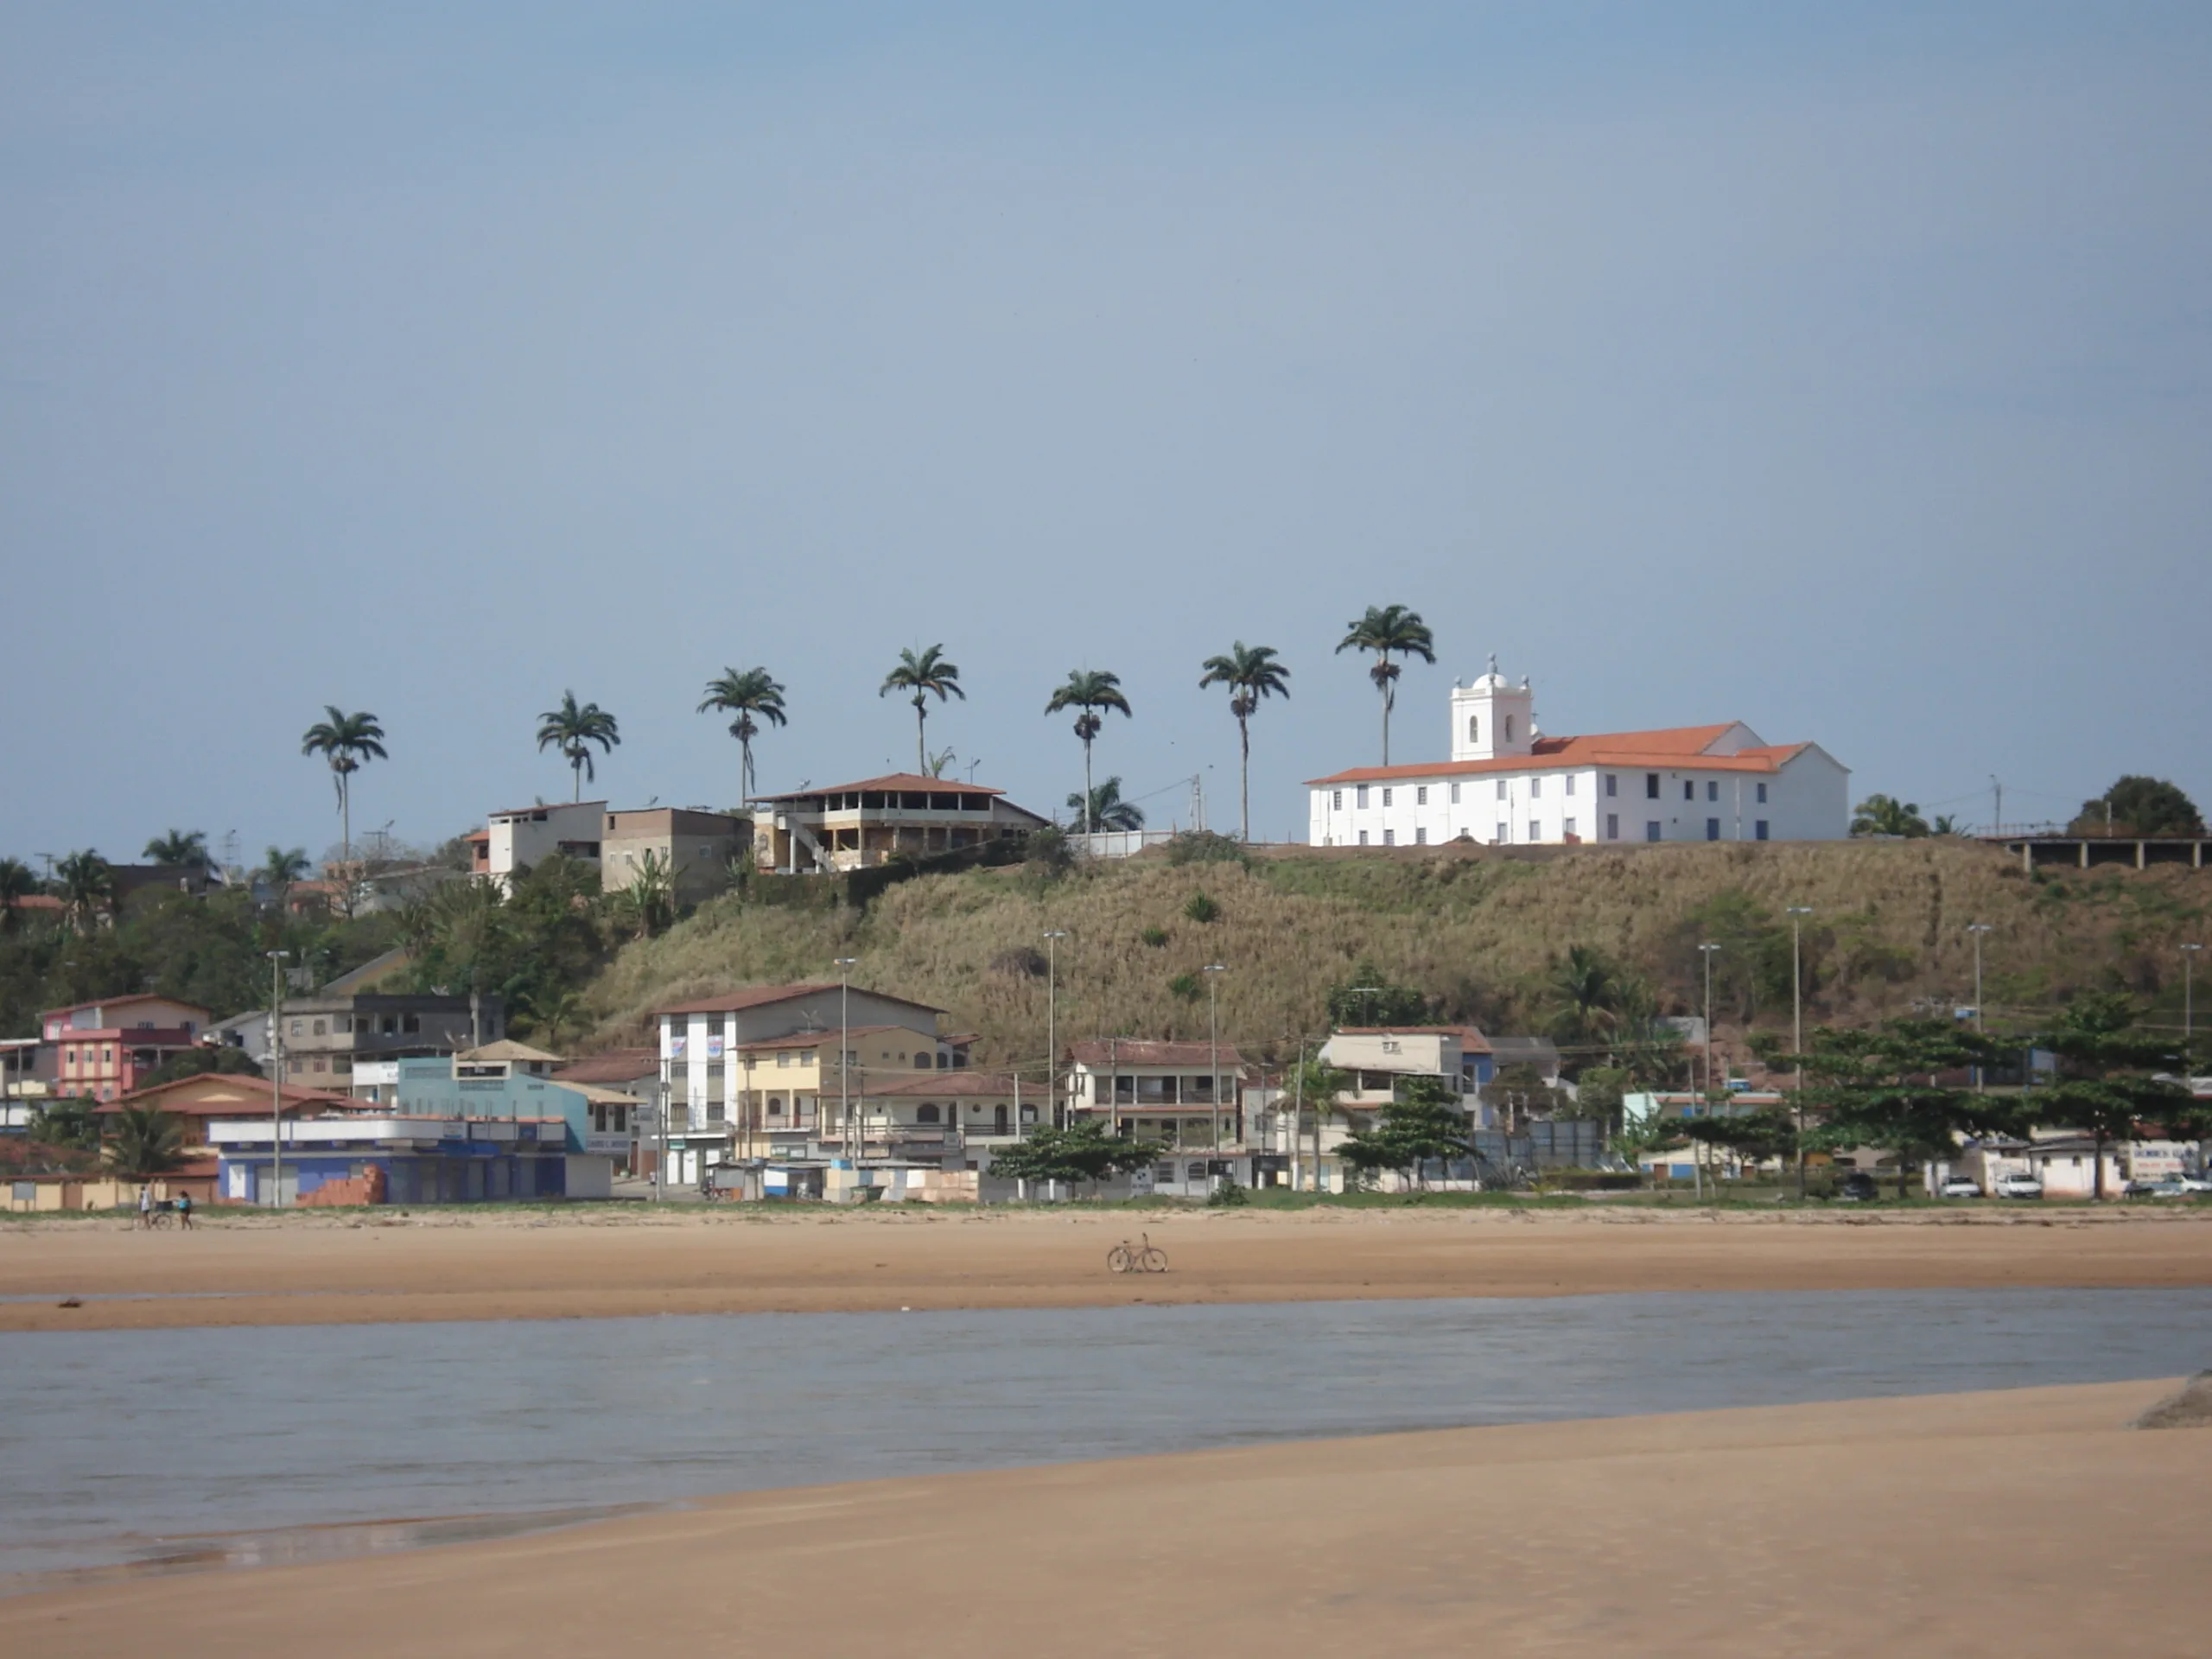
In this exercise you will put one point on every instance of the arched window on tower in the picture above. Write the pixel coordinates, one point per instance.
(1474, 728)
(1508, 729)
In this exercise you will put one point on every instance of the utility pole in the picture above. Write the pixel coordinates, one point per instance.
(844, 1058)
(1052, 938)
(1998, 809)
(1977, 928)
(1297, 1111)
(1797, 914)
(1213, 969)
(277, 960)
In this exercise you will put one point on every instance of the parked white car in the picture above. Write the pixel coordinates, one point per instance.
(2019, 1186)
(2170, 1187)
(1959, 1187)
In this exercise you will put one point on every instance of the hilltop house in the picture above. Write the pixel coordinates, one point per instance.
(851, 826)
(1507, 784)
(693, 845)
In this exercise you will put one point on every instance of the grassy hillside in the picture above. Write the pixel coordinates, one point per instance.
(1478, 929)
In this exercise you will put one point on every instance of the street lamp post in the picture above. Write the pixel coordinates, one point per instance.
(1797, 914)
(2189, 1007)
(844, 1061)
(1977, 928)
(1213, 969)
(1707, 950)
(1052, 938)
(277, 960)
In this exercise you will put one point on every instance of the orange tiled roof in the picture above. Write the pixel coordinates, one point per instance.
(1671, 748)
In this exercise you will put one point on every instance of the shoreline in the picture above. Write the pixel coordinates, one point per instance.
(1913, 1524)
(406, 1266)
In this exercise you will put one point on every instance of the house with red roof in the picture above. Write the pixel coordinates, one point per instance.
(851, 826)
(1508, 784)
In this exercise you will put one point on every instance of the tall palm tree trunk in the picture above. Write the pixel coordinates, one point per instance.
(1383, 660)
(921, 741)
(576, 774)
(1088, 799)
(744, 770)
(344, 819)
(1244, 779)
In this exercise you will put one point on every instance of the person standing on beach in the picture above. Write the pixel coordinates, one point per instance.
(184, 1213)
(146, 1204)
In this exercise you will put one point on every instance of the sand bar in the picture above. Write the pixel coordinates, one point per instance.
(306, 1269)
(2029, 1523)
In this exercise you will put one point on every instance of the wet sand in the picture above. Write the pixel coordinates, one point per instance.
(305, 1269)
(2029, 1523)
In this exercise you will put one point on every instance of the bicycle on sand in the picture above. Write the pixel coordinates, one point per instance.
(1144, 1256)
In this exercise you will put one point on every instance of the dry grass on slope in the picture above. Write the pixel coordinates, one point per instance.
(1476, 930)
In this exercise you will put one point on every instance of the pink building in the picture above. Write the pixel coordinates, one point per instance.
(105, 1049)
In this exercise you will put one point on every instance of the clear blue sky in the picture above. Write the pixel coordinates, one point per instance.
(1847, 375)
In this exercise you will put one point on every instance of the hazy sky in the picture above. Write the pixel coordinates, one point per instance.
(1848, 376)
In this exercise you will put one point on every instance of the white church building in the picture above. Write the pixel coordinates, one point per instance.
(1507, 784)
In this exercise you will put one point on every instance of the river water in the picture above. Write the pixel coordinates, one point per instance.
(177, 1448)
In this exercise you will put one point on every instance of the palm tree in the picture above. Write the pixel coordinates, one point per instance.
(87, 884)
(1107, 810)
(753, 696)
(572, 730)
(17, 884)
(281, 867)
(1389, 630)
(1089, 689)
(145, 1141)
(347, 742)
(1251, 673)
(186, 847)
(1318, 1086)
(649, 900)
(1586, 995)
(1884, 815)
(922, 675)
(935, 763)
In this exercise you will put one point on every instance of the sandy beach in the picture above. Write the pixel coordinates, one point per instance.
(306, 1269)
(2031, 1521)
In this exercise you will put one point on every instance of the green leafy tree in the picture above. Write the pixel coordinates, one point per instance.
(282, 869)
(1420, 1127)
(1107, 810)
(1753, 964)
(1089, 1151)
(2107, 1084)
(17, 884)
(67, 1123)
(922, 673)
(573, 728)
(1753, 1136)
(2140, 806)
(1884, 1088)
(1600, 1092)
(87, 888)
(346, 742)
(182, 847)
(144, 1141)
(1388, 631)
(1252, 674)
(1096, 693)
(753, 696)
(1368, 998)
(1884, 815)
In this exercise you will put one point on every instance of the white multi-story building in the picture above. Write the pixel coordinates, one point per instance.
(1507, 784)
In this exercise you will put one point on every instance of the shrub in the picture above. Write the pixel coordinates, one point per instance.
(1185, 987)
(1205, 847)
(1202, 909)
(1154, 937)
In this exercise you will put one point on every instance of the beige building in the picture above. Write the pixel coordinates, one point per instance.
(697, 846)
(851, 826)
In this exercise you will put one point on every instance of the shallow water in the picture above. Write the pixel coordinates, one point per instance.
(146, 1446)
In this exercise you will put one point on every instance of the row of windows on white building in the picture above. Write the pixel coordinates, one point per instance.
(1654, 829)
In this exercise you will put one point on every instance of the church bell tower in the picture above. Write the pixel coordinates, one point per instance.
(1492, 721)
